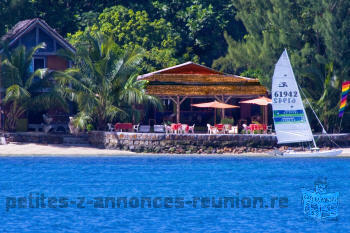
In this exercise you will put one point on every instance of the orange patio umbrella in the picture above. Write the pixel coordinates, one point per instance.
(263, 101)
(259, 101)
(215, 104)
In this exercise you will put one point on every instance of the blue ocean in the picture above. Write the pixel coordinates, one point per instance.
(168, 194)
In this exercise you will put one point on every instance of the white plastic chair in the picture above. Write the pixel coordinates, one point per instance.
(246, 128)
(233, 130)
(184, 128)
(227, 128)
(167, 128)
(191, 128)
(136, 128)
(212, 129)
(110, 127)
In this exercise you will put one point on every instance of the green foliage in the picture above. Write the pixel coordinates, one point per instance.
(243, 36)
(22, 90)
(102, 83)
(201, 25)
(135, 29)
(89, 127)
(64, 15)
(196, 27)
(326, 106)
(315, 34)
(256, 73)
(230, 121)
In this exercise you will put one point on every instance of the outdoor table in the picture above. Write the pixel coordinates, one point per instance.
(220, 127)
(123, 126)
(253, 127)
(175, 127)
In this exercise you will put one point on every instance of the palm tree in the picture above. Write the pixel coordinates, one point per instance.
(133, 93)
(325, 96)
(22, 92)
(102, 81)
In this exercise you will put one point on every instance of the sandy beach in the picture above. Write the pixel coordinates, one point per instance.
(31, 149)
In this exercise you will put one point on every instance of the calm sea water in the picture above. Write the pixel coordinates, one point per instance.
(89, 180)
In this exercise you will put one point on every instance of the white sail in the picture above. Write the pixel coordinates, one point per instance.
(291, 123)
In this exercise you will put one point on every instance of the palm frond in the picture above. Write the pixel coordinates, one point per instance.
(16, 92)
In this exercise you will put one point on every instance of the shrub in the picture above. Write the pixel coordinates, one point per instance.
(89, 127)
(227, 121)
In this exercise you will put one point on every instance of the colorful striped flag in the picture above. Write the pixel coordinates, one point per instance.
(344, 96)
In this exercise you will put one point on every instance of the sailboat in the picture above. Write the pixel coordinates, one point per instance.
(289, 116)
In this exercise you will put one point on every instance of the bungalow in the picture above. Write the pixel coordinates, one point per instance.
(30, 33)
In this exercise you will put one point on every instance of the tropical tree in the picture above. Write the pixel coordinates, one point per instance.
(102, 82)
(24, 88)
(324, 100)
(135, 29)
(315, 34)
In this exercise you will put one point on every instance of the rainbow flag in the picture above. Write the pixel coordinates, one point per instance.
(344, 96)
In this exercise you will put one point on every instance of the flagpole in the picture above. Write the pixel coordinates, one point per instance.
(341, 120)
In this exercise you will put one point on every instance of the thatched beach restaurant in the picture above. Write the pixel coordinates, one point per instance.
(189, 83)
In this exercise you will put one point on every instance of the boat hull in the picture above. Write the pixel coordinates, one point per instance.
(326, 153)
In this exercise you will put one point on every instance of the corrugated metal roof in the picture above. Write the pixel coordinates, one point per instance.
(22, 26)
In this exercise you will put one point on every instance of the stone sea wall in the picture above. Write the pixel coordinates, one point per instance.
(198, 143)
(47, 138)
(34, 137)
(172, 143)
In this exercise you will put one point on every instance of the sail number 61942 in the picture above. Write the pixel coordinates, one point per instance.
(285, 94)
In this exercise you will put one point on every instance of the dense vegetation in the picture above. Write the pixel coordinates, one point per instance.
(24, 89)
(103, 82)
(235, 36)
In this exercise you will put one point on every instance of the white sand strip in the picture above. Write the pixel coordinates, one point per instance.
(16, 149)
(32, 149)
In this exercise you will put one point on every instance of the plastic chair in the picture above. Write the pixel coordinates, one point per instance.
(136, 128)
(246, 128)
(175, 128)
(227, 128)
(184, 128)
(212, 129)
(233, 130)
(110, 127)
(191, 128)
(167, 128)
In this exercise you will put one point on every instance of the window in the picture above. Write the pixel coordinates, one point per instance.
(39, 63)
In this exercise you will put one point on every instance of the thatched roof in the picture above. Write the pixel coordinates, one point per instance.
(191, 79)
